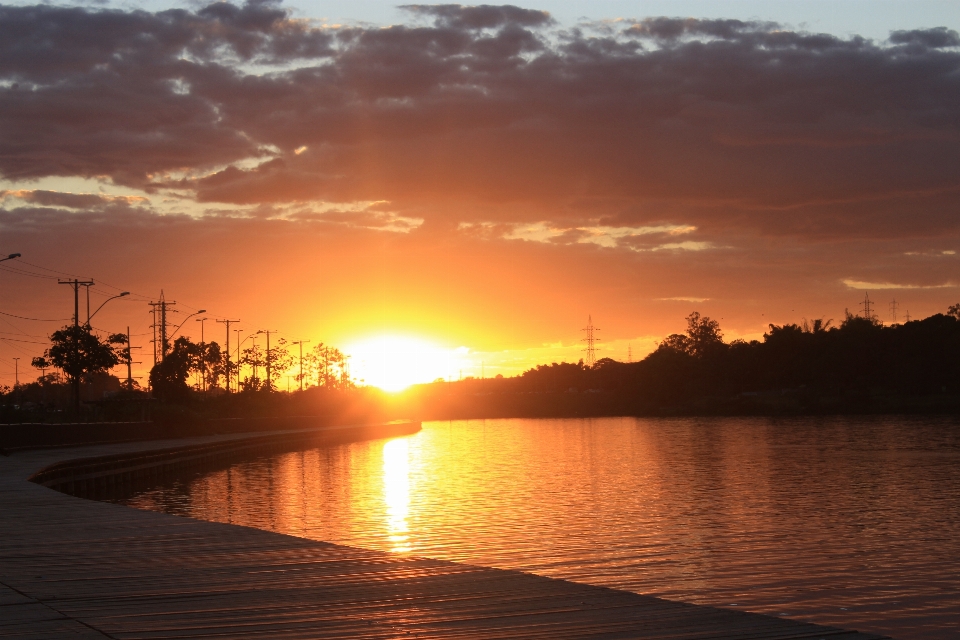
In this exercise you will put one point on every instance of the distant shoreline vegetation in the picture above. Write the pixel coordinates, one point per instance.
(815, 367)
(858, 366)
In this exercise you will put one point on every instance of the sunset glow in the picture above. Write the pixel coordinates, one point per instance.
(468, 222)
(393, 363)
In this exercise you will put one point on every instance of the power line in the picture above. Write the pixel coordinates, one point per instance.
(35, 319)
(26, 341)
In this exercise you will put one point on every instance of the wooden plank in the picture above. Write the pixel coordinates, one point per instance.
(75, 568)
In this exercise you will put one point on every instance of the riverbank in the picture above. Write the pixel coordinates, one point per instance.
(76, 568)
(21, 437)
(477, 399)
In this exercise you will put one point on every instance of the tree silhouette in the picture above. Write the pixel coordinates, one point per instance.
(254, 358)
(77, 351)
(279, 360)
(168, 378)
(703, 336)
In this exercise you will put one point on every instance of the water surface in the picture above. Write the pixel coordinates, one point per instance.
(848, 522)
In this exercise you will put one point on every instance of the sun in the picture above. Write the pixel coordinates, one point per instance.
(393, 363)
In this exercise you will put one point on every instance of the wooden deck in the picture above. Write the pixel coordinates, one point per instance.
(74, 568)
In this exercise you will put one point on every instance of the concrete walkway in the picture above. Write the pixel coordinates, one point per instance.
(74, 568)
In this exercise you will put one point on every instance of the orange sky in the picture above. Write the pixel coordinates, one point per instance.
(480, 178)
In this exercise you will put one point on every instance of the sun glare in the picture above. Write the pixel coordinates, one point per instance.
(393, 363)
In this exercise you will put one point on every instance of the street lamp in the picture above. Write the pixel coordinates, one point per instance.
(120, 295)
(239, 363)
(10, 257)
(196, 313)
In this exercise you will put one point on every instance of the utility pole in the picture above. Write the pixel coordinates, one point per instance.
(591, 341)
(129, 363)
(269, 380)
(203, 357)
(629, 352)
(893, 310)
(153, 310)
(227, 367)
(300, 342)
(254, 348)
(16, 372)
(76, 284)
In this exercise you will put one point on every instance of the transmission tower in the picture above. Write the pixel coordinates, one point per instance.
(908, 315)
(893, 310)
(629, 353)
(591, 341)
(867, 306)
(160, 343)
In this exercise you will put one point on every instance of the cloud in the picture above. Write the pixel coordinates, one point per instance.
(484, 16)
(128, 94)
(719, 124)
(937, 38)
(859, 284)
(48, 198)
(638, 238)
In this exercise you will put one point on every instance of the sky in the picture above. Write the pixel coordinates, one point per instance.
(466, 186)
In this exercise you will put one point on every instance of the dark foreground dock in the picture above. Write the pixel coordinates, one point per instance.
(75, 568)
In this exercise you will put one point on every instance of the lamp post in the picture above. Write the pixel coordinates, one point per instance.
(253, 365)
(195, 313)
(10, 257)
(239, 364)
(120, 295)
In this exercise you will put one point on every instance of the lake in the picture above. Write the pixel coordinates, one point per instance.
(852, 522)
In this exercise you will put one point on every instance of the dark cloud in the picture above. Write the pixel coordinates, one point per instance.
(482, 16)
(673, 28)
(486, 112)
(927, 38)
(113, 93)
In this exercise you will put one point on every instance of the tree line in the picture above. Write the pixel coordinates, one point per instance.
(79, 359)
(815, 366)
(322, 366)
(856, 365)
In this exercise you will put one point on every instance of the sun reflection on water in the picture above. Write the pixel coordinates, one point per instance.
(396, 493)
